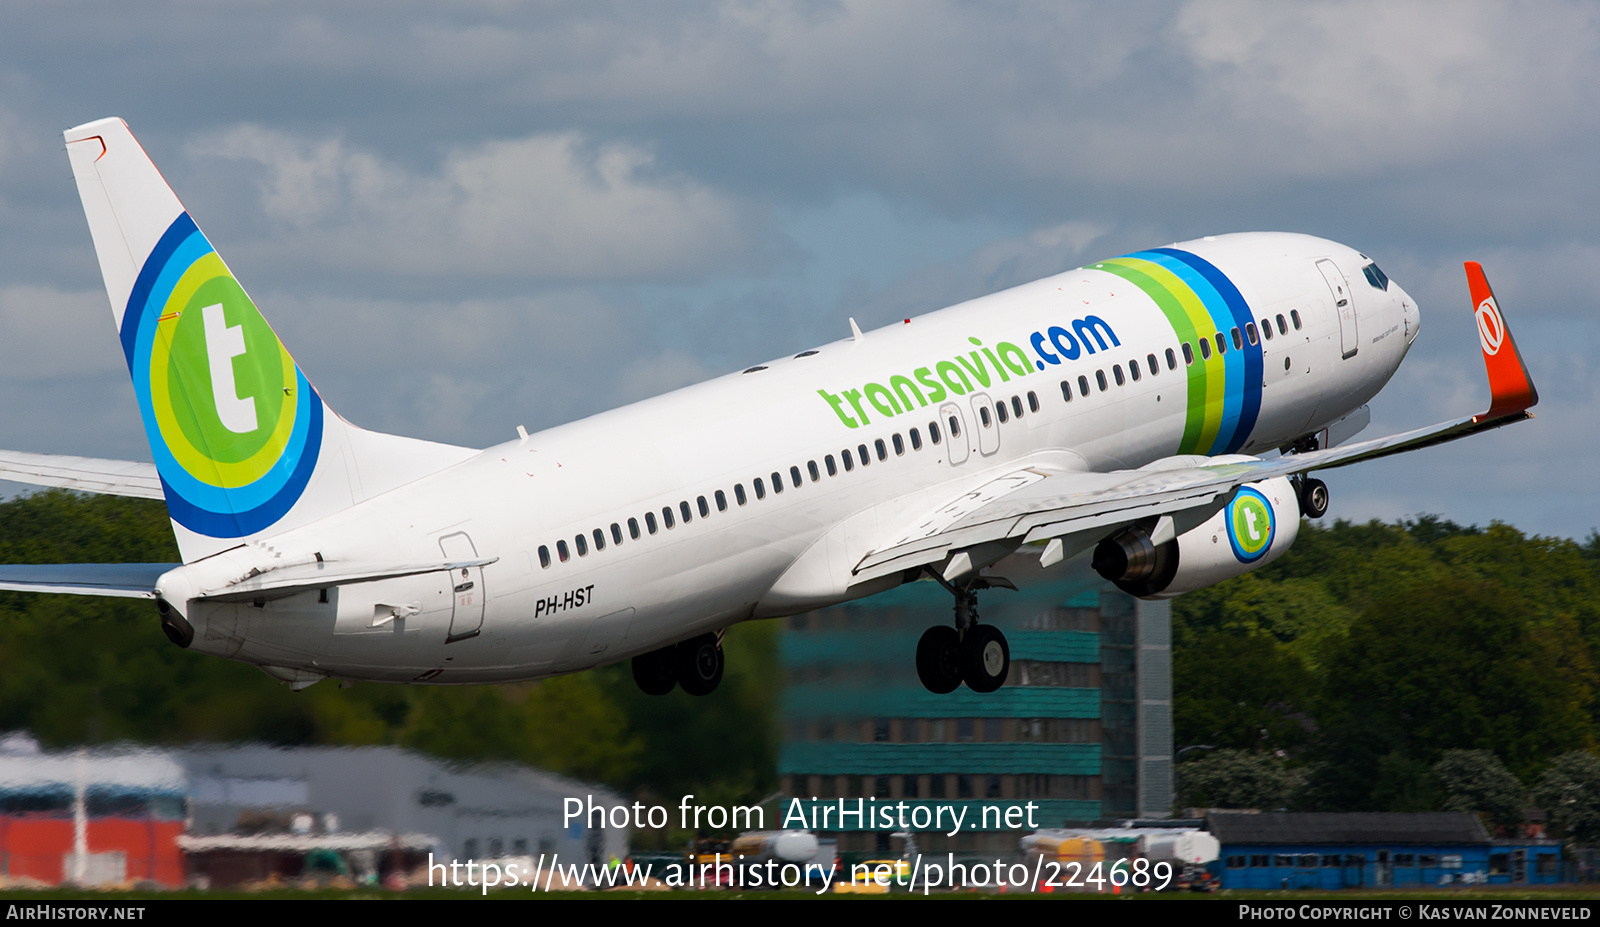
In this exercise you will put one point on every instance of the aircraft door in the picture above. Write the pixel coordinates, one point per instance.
(1343, 305)
(988, 424)
(956, 434)
(466, 616)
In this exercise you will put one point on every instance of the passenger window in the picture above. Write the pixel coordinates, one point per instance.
(833, 468)
(1188, 355)
(955, 427)
(899, 445)
(1066, 391)
(811, 468)
(984, 417)
(1283, 329)
(866, 458)
(761, 488)
(700, 502)
(933, 432)
(1222, 343)
(561, 551)
(1100, 380)
(916, 440)
(683, 507)
(738, 493)
(544, 556)
(777, 482)
(666, 517)
(1000, 410)
(1266, 329)
(1083, 386)
(722, 501)
(1238, 340)
(599, 539)
(1205, 348)
(883, 452)
(1295, 315)
(1172, 361)
(1133, 370)
(616, 533)
(1016, 406)
(1155, 366)
(849, 462)
(633, 528)
(583, 546)
(1250, 332)
(650, 522)
(1033, 401)
(1116, 371)
(794, 476)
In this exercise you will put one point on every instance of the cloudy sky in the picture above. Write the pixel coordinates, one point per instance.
(464, 217)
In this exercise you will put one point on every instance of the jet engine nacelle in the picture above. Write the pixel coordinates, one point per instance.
(1257, 525)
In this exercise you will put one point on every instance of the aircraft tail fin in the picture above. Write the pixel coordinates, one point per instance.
(242, 442)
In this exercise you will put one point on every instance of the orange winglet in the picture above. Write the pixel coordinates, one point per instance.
(1510, 388)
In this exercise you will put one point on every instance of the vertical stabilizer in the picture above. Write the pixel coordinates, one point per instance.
(243, 443)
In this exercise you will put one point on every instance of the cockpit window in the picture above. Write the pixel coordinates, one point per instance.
(1376, 277)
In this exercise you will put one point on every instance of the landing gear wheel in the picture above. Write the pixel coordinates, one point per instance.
(656, 672)
(985, 658)
(939, 659)
(1313, 498)
(699, 664)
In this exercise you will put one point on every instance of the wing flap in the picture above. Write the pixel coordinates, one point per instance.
(84, 474)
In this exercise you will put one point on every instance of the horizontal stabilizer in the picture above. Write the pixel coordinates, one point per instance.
(304, 577)
(124, 580)
(84, 474)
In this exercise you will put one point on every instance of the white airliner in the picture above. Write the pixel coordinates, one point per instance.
(1118, 407)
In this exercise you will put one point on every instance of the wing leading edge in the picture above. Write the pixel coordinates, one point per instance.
(1038, 504)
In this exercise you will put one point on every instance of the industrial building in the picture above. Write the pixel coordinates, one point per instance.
(1082, 728)
(1376, 850)
(223, 815)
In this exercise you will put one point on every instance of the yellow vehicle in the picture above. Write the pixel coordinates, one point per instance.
(875, 877)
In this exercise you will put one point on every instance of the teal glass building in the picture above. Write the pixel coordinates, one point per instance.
(1082, 728)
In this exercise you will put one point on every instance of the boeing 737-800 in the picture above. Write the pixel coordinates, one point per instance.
(1120, 408)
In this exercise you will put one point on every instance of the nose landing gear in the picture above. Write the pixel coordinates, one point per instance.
(974, 653)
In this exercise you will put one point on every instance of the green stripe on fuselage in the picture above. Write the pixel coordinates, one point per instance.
(1190, 321)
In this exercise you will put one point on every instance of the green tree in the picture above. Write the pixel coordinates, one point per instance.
(1457, 664)
(1236, 779)
(1476, 781)
(1569, 791)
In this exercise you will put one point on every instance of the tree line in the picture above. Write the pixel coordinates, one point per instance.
(1413, 666)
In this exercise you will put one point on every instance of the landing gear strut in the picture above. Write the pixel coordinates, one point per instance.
(974, 653)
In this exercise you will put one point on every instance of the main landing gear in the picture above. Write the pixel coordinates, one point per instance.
(973, 653)
(695, 664)
(1313, 496)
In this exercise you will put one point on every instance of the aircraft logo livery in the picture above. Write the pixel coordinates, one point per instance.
(1197, 299)
(1250, 525)
(234, 426)
(1161, 401)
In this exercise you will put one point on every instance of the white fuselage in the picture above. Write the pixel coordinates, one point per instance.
(528, 501)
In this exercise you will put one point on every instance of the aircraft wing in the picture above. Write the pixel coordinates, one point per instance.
(122, 580)
(1040, 504)
(85, 474)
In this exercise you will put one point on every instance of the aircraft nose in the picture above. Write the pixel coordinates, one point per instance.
(1409, 313)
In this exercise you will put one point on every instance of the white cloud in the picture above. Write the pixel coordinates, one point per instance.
(545, 206)
(48, 333)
